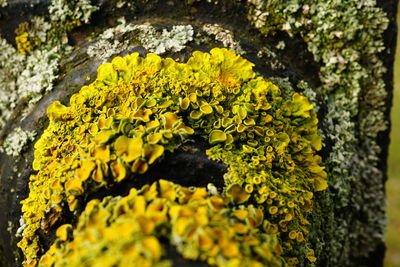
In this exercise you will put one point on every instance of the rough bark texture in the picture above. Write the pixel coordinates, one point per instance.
(338, 225)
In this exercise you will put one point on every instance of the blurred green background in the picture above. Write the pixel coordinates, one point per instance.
(392, 258)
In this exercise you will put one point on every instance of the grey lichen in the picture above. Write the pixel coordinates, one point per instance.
(126, 36)
(345, 37)
(22, 226)
(11, 65)
(112, 41)
(71, 13)
(104, 49)
(225, 36)
(280, 45)
(160, 42)
(17, 141)
(9, 226)
(271, 58)
(25, 78)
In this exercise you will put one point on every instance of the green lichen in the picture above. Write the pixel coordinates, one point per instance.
(345, 37)
(139, 107)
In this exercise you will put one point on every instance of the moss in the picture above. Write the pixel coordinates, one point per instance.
(139, 107)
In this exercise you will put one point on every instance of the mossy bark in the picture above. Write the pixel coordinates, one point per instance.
(332, 249)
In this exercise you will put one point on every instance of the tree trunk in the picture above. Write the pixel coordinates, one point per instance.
(339, 55)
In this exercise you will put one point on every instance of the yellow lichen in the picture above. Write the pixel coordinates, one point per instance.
(129, 148)
(64, 231)
(152, 152)
(217, 136)
(118, 170)
(139, 107)
(133, 225)
(237, 193)
(26, 43)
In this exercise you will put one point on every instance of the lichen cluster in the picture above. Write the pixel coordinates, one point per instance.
(25, 43)
(345, 37)
(225, 36)
(125, 36)
(28, 72)
(139, 107)
(191, 220)
(17, 141)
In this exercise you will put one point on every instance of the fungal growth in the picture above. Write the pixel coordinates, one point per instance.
(123, 123)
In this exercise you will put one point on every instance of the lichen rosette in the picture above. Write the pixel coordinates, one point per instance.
(125, 120)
